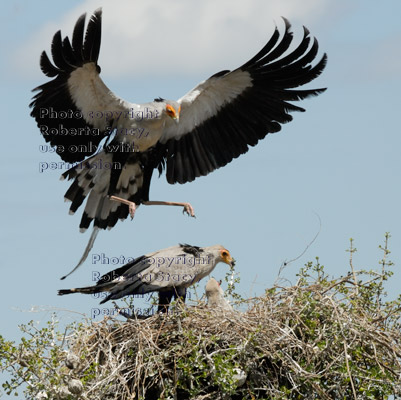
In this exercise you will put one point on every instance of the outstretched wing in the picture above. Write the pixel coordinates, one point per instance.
(232, 110)
(75, 110)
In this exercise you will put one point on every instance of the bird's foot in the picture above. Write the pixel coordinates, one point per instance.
(132, 209)
(189, 210)
(131, 205)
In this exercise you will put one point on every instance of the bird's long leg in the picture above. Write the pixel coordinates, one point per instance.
(164, 301)
(132, 206)
(187, 207)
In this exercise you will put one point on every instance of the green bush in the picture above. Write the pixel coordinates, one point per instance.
(323, 338)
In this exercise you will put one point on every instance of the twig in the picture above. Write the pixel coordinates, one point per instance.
(286, 263)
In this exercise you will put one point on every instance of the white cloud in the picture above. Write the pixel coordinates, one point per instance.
(176, 37)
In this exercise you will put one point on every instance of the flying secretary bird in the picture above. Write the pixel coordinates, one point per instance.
(169, 271)
(114, 145)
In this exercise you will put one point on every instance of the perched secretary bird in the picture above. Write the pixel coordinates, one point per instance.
(117, 144)
(169, 271)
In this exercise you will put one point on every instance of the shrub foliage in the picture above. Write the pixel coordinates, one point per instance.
(322, 338)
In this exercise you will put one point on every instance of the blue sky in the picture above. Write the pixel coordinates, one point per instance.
(339, 160)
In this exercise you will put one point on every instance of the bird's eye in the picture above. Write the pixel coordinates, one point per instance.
(224, 253)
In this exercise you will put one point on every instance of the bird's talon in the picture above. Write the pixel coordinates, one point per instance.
(132, 209)
(189, 210)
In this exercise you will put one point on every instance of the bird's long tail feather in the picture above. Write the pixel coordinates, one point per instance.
(87, 290)
(86, 252)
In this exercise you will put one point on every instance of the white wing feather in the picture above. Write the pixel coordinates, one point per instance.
(205, 101)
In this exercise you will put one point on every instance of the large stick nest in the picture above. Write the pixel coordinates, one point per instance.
(326, 339)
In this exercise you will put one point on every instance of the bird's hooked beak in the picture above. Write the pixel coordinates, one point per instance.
(226, 257)
(176, 118)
